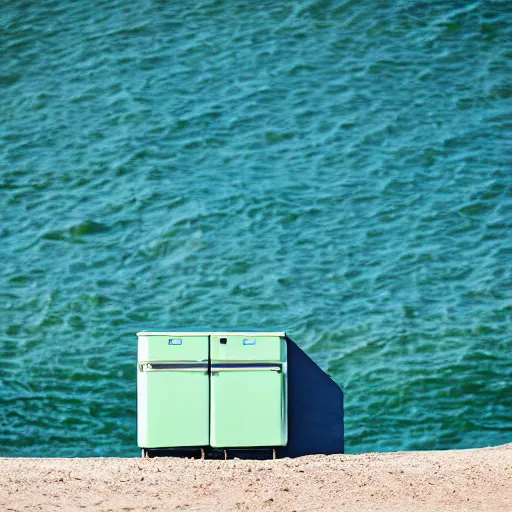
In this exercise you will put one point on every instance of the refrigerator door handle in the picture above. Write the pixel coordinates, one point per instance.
(173, 367)
(246, 367)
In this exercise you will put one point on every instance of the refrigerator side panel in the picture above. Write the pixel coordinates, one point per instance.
(142, 410)
(284, 406)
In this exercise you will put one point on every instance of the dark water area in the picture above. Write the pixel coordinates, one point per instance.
(338, 169)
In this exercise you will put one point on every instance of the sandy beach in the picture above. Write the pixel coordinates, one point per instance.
(479, 479)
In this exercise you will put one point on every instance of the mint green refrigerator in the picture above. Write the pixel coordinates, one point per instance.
(248, 390)
(173, 390)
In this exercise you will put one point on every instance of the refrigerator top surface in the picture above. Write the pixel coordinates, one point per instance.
(213, 332)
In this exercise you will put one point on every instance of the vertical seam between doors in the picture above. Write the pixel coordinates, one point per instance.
(209, 392)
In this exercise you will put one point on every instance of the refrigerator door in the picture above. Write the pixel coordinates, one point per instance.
(247, 407)
(173, 391)
(248, 391)
(173, 403)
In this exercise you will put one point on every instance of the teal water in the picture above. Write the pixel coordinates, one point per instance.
(340, 169)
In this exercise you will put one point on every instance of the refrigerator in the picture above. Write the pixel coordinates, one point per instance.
(173, 390)
(248, 391)
(219, 389)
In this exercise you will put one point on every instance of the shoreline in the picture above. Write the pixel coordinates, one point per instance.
(473, 479)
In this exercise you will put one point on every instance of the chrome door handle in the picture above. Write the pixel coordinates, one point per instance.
(173, 367)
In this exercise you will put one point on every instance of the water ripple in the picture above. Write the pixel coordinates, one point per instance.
(338, 168)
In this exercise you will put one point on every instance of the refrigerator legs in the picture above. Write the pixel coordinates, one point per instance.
(209, 453)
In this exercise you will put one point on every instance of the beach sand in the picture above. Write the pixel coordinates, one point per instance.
(457, 480)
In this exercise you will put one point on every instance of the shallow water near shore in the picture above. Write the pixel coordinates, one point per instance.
(341, 170)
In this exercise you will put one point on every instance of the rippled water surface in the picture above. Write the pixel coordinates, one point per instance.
(340, 169)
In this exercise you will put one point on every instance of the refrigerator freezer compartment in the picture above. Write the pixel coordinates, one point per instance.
(173, 348)
(247, 348)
